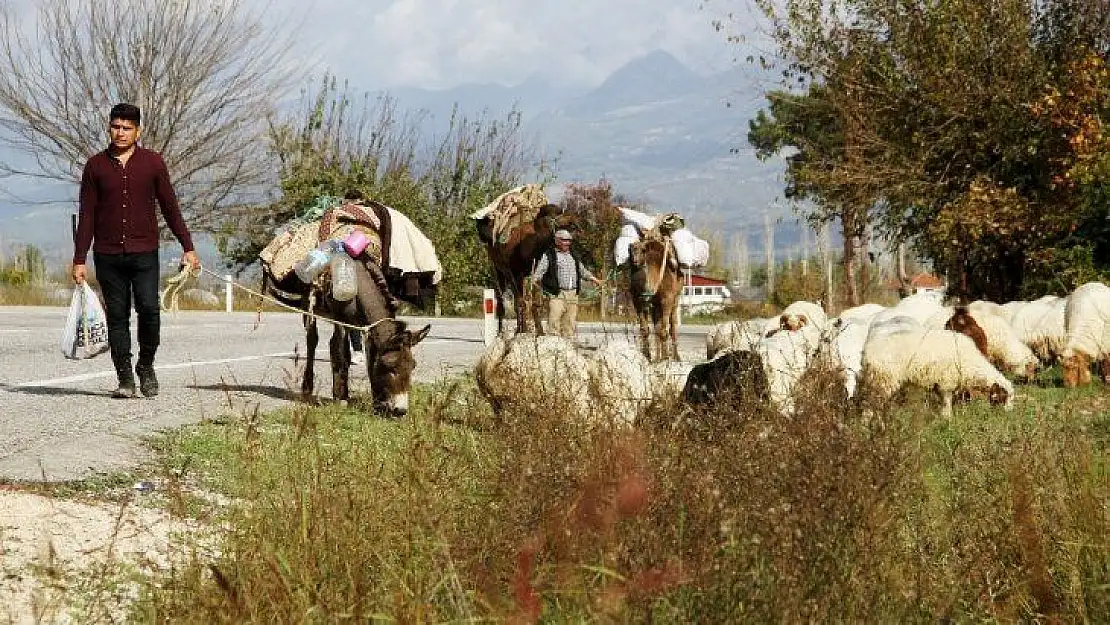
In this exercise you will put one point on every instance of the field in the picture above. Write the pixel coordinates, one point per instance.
(854, 512)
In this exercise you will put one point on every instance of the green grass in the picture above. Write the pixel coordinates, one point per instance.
(730, 515)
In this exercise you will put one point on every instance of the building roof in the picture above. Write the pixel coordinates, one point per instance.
(696, 280)
(926, 281)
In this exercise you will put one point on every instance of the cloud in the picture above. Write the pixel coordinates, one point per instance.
(440, 43)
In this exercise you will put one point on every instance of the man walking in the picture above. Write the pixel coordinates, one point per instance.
(560, 273)
(119, 188)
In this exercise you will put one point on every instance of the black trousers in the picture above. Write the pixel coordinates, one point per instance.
(120, 277)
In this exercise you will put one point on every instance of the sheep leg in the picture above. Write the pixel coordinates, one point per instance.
(946, 408)
(1104, 369)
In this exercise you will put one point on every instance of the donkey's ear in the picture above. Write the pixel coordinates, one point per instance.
(420, 334)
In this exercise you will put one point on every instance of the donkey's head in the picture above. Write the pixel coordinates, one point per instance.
(651, 258)
(391, 366)
(552, 217)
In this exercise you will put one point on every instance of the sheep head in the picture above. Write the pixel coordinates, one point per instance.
(1076, 368)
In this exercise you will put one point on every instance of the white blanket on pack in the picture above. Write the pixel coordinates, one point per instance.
(688, 248)
(410, 250)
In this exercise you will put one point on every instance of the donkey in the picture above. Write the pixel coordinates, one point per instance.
(512, 261)
(655, 285)
(388, 344)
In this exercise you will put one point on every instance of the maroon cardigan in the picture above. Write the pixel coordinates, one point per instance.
(118, 205)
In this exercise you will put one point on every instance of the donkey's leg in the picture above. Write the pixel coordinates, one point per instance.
(661, 322)
(501, 285)
(340, 364)
(312, 337)
(645, 332)
(520, 305)
(537, 316)
(673, 327)
(499, 298)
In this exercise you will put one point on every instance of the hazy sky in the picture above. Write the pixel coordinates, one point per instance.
(436, 44)
(440, 43)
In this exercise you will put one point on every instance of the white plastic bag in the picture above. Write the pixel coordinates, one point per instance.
(628, 235)
(635, 217)
(689, 249)
(86, 331)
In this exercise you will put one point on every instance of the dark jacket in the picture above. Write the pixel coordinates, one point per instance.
(550, 281)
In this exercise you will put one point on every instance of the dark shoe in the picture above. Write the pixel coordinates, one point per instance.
(126, 390)
(148, 383)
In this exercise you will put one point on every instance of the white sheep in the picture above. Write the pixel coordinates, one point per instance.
(863, 312)
(621, 380)
(802, 313)
(1004, 346)
(843, 351)
(985, 307)
(891, 325)
(668, 378)
(919, 306)
(1009, 309)
(1042, 325)
(1087, 318)
(548, 372)
(785, 358)
(931, 358)
(740, 335)
(529, 368)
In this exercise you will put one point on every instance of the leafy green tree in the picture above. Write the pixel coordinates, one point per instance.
(973, 130)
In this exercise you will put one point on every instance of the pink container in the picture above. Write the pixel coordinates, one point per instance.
(355, 243)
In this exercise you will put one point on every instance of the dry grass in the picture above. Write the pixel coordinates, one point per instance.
(732, 514)
(28, 295)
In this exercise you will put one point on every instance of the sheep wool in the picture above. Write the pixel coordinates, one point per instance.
(933, 358)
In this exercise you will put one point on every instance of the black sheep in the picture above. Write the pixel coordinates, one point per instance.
(733, 376)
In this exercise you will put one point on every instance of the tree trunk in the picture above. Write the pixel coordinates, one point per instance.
(903, 279)
(962, 295)
(850, 287)
(864, 262)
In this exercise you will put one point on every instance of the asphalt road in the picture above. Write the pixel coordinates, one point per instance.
(57, 421)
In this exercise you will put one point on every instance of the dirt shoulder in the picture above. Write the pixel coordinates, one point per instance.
(55, 553)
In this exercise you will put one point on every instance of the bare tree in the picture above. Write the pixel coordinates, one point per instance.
(206, 75)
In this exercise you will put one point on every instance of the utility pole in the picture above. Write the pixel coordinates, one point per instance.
(769, 252)
(824, 250)
(805, 251)
(743, 270)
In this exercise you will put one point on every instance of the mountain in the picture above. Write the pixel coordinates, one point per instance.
(676, 140)
(660, 132)
(656, 77)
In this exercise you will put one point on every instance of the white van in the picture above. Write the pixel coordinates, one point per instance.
(704, 299)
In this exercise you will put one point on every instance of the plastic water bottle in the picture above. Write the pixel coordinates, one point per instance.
(344, 279)
(310, 267)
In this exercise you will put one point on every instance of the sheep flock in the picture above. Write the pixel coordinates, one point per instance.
(978, 350)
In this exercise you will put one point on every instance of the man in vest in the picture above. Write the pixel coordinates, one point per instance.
(560, 273)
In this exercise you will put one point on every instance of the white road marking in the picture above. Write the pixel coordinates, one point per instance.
(183, 365)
